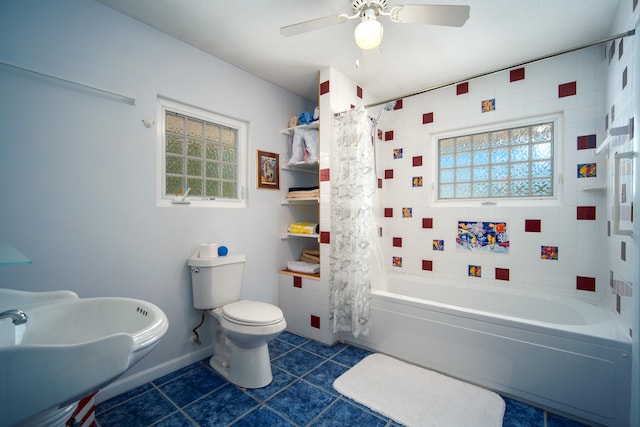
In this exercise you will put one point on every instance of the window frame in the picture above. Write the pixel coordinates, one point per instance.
(557, 166)
(242, 128)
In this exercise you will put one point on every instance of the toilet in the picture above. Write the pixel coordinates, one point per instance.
(241, 328)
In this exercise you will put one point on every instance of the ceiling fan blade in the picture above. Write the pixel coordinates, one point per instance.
(432, 14)
(314, 24)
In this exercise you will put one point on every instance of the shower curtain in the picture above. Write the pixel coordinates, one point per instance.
(353, 226)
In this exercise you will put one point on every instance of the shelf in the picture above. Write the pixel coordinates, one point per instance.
(595, 188)
(301, 201)
(289, 131)
(308, 236)
(11, 256)
(315, 276)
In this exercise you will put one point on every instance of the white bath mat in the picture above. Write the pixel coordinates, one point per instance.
(415, 396)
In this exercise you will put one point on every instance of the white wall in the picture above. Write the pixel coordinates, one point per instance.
(78, 169)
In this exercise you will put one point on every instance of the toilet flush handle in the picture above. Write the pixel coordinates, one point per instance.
(195, 270)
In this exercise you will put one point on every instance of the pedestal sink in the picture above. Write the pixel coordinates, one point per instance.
(68, 348)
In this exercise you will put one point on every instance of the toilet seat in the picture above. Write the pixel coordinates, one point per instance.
(252, 313)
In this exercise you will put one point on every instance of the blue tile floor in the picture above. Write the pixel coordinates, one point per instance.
(301, 394)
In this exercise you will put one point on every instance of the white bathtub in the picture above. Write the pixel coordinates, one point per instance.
(568, 356)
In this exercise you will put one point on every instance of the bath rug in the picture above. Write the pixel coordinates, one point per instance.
(415, 396)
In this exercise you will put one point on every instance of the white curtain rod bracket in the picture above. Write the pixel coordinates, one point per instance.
(617, 131)
(131, 100)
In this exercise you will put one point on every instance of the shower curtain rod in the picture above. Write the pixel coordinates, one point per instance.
(540, 58)
(127, 99)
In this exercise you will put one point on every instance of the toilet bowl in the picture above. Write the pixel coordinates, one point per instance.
(242, 329)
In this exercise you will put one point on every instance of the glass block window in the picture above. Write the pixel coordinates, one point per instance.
(202, 152)
(505, 163)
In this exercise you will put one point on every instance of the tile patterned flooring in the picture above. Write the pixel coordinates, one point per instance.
(301, 394)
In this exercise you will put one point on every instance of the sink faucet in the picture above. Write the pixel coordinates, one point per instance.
(18, 316)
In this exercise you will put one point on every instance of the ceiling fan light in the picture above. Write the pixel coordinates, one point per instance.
(368, 34)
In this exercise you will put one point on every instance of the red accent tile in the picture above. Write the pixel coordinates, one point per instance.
(502, 273)
(417, 161)
(533, 225)
(618, 303)
(388, 212)
(586, 213)
(388, 174)
(427, 222)
(612, 50)
(380, 134)
(567, 89)
(620, 48)
(517, 74)
(624, 78)
(398, 105)
(427, 118)
(325, 175)
(462, 88)
(325, 237)
(586, 142)
(427, 265)
(324, 87)
(586, 283)
(359, 92)
(379, 183)
(613, 113)
(623, 251)
(314, 322)
(297, 281)
(397, 242)
(388, 135)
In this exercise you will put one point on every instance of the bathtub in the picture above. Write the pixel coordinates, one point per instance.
(565, 355)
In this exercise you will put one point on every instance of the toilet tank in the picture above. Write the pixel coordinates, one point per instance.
(216, 281)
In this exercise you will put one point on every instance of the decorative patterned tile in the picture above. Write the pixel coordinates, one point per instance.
(192, 385)
(281, 379)
(324, 375)
(350, 356)
(300, 402)
(220, 407)
(264, 417)
(343, 413)
(323, 350)
(298, 362)
(292, 339)
(143, 410)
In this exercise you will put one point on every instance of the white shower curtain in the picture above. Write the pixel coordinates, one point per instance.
(353, 225)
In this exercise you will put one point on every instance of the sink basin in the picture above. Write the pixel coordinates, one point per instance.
(68, 348)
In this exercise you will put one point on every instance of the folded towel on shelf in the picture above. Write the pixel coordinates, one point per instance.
(303, 192)
(303, 267)
(311, 255)
(303, 228)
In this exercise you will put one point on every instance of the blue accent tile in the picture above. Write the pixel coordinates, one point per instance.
(298, 362)
(192, 385)
(263, 417)
(116, 400)
(177, 419)
(280, 380)
(350, 356)
(324, 375)
(554, 420)
(175, 374)
(323, 350)
(292, 339)
(342, 413)
(278, 348)
(220, 407)
(207, 399)
(141, 411)
(300, 402)
(517, 414)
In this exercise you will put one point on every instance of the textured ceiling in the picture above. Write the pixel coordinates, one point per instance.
(412, 57)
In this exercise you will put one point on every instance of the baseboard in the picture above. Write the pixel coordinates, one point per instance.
(130, 382)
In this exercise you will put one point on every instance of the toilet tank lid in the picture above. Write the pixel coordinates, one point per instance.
(196, 261)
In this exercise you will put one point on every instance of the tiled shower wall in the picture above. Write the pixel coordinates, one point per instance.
(573, 86)
(619, 111)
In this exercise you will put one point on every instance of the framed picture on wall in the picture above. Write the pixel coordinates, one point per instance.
(268, 170)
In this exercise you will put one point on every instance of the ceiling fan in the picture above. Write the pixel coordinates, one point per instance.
(368, 33)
